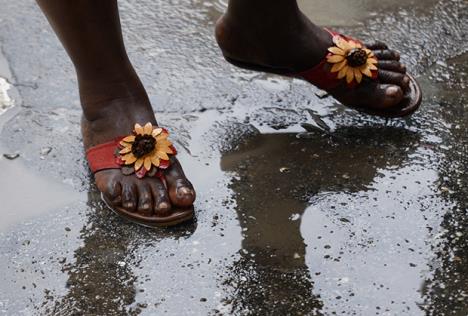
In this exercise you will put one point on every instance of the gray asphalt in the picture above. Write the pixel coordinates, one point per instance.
(353, 215)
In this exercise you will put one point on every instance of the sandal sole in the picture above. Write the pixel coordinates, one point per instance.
(410, 104)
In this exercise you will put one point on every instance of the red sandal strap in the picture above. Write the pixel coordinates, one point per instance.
(320, 75)
(102, 157)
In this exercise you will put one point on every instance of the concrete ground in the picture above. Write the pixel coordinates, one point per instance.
(356, 216)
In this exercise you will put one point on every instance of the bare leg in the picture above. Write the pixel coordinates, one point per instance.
(113, 100)
(277, 34)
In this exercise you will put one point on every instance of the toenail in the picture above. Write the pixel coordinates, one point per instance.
(146, 206)
(391, 91)
(184, 191)
(163, 206)
(129, 205)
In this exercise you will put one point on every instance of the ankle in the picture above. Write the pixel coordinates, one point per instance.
(101, 98)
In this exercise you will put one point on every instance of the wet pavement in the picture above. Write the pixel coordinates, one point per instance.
(304, 207)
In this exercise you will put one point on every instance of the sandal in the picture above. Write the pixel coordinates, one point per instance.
(349, 60)
(146, 153)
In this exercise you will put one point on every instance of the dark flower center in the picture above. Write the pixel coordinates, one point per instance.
(356, 57)
(143, 144)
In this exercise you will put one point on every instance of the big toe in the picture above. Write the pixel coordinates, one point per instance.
(380, 96)
(180, 189)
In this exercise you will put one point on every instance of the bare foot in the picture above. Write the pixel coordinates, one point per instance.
(295, 44)
(111, 110)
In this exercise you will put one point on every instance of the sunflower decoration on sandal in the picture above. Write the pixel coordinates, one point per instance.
(351, 60)
(146, 152)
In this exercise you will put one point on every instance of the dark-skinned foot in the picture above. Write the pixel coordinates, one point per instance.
(296, 45)
(110, 111)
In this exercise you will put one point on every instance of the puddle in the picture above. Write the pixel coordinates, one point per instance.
(29, 194)
(353, 12)
(314, 221)
(304, 207)
(5, 101)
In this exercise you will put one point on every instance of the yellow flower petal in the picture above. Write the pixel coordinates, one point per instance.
(349, 75)
(341, 43)
(129, 139)
(139, 164)
(335, 59)
(155, 161)
(129, 159)
(342, 72)
(147, 163)
(148, 128)
(366, 71)
(164, 147)
(337, 67)
(126, 150)
(368, 52)
(336, 50)
(372, 67)
(156, 132)
(372, 60)
(354, 44)
(138, 129)
(162, 155)
(357, 75)
(161, 137)
(163, 143)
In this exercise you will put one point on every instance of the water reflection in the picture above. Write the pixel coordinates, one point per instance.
(101, 280)
(276, 175)
(446, 291)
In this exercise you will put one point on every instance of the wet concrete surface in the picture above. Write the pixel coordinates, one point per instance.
(353, 216)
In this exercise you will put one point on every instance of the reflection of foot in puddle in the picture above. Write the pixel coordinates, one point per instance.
(277, 175)
(101, 280)
(24, 193)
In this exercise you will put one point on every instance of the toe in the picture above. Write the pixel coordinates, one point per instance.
(396, 78)
(377, 45)
(180, 189)
(114, 193)
(387, 54)
(379, 96)
(391, 95)
(145, 200)
(392, 65)
(129, 196)
(109, 184)
(162, 204)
